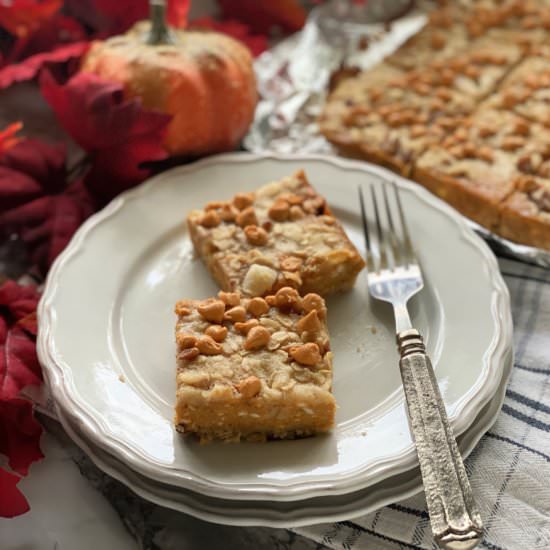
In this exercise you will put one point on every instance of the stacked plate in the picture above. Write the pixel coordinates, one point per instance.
(106, 344)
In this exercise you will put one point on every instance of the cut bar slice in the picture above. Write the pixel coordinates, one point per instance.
(477, 166)
(253, 368)
(283, 234)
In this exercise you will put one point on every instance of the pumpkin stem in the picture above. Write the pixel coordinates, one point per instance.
(159, 33)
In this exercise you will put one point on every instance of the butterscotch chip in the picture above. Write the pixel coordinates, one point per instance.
(438, 41)
(242, 200)
(185, 341)
(279, 211)
(235, 314)
(182, 308)
(212, 310)
(249, 387)
(214, 205)
(286, 298)
(208, 346)
(246, 326)
(256, 338)
(257, 307)
(228, 213)
(210, 219)
(246, 217)
(216, 384)
(511, 143)
(306, 354)
(229, 298)
(255, 235)
(188, 354)
(296, 213)
(309, 323)
(312, 302)
(485, 153)
(216, 332)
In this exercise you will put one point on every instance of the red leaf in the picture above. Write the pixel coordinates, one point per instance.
(19, 366)
(46, 224)
(21, 17)
(30, 168)
(262, 16)
(177, 12)
(107, 17)
(256, 43)
(117, 132)
(8, 138)
(60, 30)
(19, 434)
(29, 68)
(12, 501)
(17, 300)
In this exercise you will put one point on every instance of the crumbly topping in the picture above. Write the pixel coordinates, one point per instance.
(254, 348)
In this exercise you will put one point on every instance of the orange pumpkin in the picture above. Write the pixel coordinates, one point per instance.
(204, 79)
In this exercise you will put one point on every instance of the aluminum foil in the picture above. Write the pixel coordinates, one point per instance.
(293, 78)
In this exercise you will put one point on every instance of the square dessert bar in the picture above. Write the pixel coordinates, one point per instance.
(283, 234)
(253, 368)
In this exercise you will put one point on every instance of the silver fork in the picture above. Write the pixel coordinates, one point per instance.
(394, 276)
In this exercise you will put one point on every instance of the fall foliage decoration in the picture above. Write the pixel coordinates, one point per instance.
(19, 368)
(203, 79)
(123, 122)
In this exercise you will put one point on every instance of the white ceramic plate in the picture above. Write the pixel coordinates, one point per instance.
(106, 335)
(292, 513)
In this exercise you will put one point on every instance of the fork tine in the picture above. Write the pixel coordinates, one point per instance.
(409, 256)
(372, 256)
(394, 243)
(382, 245)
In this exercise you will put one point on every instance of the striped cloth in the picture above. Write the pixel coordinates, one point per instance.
(510, 467)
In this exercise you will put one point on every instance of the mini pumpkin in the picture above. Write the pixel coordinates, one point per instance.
(204, 79)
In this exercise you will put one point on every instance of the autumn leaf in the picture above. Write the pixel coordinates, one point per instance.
(255, 43)
(47, 223)
(17, 302)
(19, 365)
(12, 501)
(29, 169)
(19, 368)
(36, 201)
(177, 12)
(8, 137)
(118, 133)
(107, 17)
(29, 68)
(19, 434)
(21, 17)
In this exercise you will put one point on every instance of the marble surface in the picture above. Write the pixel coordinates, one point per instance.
(75, 505)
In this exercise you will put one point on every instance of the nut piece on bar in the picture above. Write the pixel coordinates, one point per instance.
(283, 234)
(253, 368)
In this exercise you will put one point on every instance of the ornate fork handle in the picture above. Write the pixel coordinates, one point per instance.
(456, 522)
